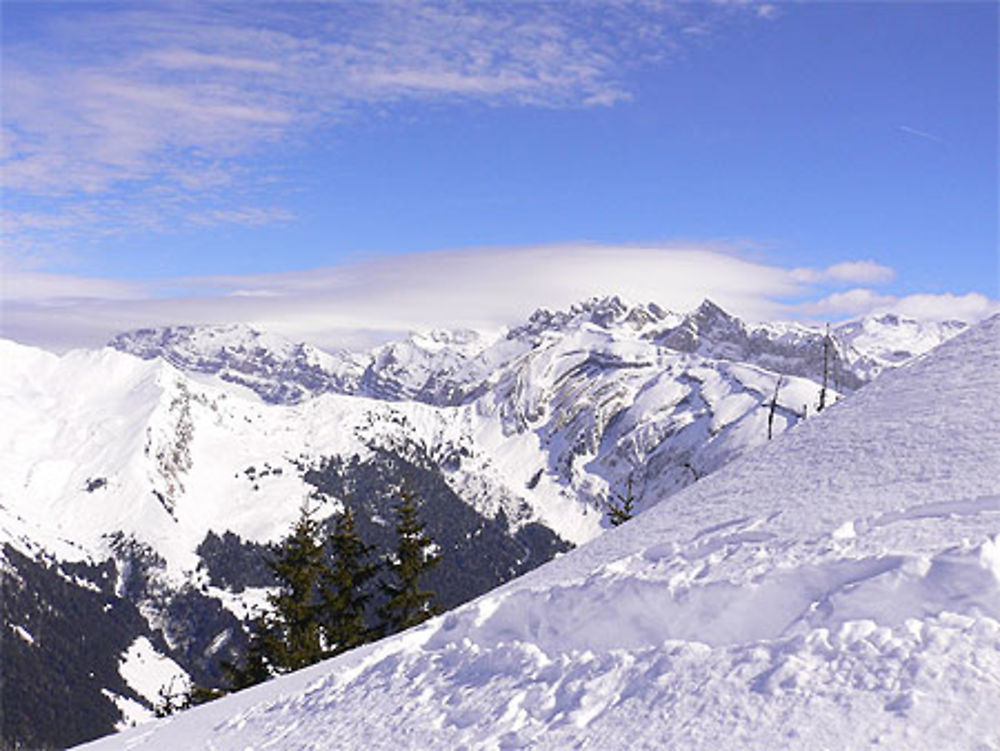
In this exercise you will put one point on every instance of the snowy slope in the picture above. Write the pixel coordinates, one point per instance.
(837, 588)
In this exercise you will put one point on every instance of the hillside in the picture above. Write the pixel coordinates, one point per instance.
(837, 587)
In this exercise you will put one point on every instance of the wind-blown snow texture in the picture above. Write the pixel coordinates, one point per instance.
(838, 587)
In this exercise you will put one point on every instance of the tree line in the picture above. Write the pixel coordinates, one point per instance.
(322, 605)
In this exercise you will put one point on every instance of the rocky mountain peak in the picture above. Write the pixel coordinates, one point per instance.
(712, 322)
(708, 324)
(277, 369)
(606, 312)
(455, 366)
(709, 309)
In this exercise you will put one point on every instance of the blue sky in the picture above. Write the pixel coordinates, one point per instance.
(195, 150)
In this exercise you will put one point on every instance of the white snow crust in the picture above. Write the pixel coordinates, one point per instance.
(146, 671)
(838, 587)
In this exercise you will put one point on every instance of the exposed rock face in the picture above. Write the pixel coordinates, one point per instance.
(280, 371)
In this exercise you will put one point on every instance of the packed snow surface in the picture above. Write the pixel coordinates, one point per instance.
(839, 587)
(145, 670)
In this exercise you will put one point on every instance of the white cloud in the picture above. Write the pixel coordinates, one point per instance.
(493, 286)
(390, 295)
(848, 272)
(852, 302)
(970, 307)
(47, 289)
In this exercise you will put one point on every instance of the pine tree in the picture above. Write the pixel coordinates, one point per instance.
(171, 700)
(345, 588)
(408, 604)
(622, 508)
(202, 695)
(292, 639)
(253, 669)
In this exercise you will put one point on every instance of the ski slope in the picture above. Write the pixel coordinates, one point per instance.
(838, 587)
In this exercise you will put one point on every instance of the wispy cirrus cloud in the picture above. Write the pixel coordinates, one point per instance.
(919, 133)
(251, 216)
(160, 106)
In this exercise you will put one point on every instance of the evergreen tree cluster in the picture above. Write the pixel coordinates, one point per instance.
(321, 608)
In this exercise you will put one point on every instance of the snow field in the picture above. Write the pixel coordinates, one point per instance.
(146, 671)
(863, 685)
(837, 588)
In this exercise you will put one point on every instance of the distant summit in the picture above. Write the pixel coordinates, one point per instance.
(278, 370)
(604, 312)
(445, 367)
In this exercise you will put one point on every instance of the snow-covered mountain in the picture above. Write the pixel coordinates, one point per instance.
(838, 587)
(887, 340)
(456, 367)
(278, 370)
(140, 483)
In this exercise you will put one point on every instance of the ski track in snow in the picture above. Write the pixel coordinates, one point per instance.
(839, 587)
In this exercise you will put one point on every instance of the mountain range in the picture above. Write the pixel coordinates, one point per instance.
(838, 587)
(143, 483)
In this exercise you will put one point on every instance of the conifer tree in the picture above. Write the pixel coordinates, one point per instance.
(292, 639)
(622, 508)
(408, 604)
(254, 667)
(345, 587)
(202, 695)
